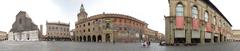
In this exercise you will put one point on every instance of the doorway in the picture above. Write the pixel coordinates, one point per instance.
(107, 37)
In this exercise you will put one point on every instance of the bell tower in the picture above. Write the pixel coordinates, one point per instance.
(83, 14)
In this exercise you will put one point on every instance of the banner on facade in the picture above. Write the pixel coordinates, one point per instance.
(208, 27)
(179, 22)
(219, 29)
(195, 24)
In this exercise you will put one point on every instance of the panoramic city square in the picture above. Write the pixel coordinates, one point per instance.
(119, 25)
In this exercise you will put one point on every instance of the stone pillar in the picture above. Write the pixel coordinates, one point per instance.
(212, 37)
(75, 38)
(111, 37)
(172, 32)
(222, 38)
(218, 39)
(114, 36)
(104, 37)
(97, 38)
(202, 35)
(169, 29)
(188, 29)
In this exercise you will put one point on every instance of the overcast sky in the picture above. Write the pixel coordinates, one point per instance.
(150, 11)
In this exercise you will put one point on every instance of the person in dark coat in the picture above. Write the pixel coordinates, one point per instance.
(148, 43)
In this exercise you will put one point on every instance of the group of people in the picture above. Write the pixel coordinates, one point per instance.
(146, 43)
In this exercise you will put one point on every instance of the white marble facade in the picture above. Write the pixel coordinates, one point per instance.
(24, 36)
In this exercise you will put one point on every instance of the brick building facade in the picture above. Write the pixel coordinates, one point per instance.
(108, 27)
(195, 21)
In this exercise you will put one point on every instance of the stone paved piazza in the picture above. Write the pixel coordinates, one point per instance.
(86, 46)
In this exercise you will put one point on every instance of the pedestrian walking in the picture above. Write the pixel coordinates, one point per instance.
(148, 43)
(144, 44)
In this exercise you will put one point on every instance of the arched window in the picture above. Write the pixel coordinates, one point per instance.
(179, 10)
(214, 20)
(194, 12)
(206, 16)
(107, 25)
(88, 30)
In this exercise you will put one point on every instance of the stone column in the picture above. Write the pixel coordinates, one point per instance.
(202, 34)
(212, 37)
(218, 39)
(111, 37)
(104, 37)
(114, 36)
(169, 29)
(222, 38)
(188, 29)
(97, 38)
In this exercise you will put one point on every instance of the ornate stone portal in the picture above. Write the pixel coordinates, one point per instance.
(23, 29)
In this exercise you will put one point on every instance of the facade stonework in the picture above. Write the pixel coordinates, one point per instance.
(23, 29)
(3, 35)
(57, 31)
(195, 21)
(236, 35)
(151, 35)
(108, 27)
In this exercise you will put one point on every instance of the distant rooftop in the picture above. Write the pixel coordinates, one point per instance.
(57, 23)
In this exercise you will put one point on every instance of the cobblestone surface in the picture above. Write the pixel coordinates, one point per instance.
(86, 46)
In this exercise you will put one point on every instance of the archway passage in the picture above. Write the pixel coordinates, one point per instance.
(107, 37)
(94, 38)
(80, 38)
(224, 38)
(221, 37)
(215, 39)
(179, 40)
(77, 38)
(89, 38)
(84, 38)
(99, 38)
(195, 40)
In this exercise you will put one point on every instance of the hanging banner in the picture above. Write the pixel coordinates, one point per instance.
(219, 29)
(195, 24)
(208, 27)
(180, 22)
(216, 29)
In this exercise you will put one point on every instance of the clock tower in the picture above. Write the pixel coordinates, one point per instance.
(83, 14)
